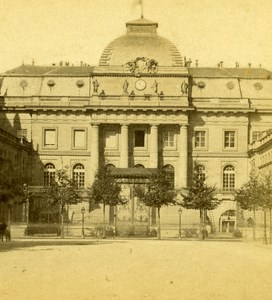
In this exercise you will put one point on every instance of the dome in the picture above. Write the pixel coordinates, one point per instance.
(141, 40)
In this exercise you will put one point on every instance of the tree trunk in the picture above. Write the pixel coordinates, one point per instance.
(159, 223)
(265, 235)
(115, 220)
(202, 223)
(104, 221)
(270, 232)
(61, 225)
(9, 213)
(254, 222)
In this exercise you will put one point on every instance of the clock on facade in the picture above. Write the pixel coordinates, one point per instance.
(140, 84)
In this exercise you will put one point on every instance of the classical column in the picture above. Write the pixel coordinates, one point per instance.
(94, 148)
(183, 155)
(154, 146)
(124, 146)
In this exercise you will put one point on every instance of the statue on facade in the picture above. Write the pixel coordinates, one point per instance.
(95, 86)
(125, 87)
(155, 87)
(184, 88)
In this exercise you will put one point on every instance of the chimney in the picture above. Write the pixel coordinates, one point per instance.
(237, 64)
(218, 65)
(260, 66)
(33, 62)
(249, 65)
(196, 63)
(221, 64)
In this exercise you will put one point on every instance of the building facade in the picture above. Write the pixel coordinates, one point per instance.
(142, 106)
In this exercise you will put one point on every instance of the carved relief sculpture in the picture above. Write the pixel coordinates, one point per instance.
(125, 87)
(95, 86)
(184, 88)
(155, 87)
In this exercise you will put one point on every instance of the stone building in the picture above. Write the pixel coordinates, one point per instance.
(260, 152)
(15, 156)
(144, 105)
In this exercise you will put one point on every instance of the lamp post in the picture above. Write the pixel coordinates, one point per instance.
(82, 228)
(26, 191)
(180, 213)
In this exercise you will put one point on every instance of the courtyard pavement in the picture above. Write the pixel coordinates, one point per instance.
(86, 269)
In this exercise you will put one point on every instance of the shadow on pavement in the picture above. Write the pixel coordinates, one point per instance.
(32, 243)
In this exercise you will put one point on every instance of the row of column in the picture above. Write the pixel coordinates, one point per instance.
(154, 149)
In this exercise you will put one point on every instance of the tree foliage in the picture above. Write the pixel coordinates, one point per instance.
(265, 195)
(11, 185)
(199, 195)
(105, 189)
(158, 192)
(62, 191)
(249, 196)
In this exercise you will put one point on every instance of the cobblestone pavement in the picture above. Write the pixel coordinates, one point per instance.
(76, 269)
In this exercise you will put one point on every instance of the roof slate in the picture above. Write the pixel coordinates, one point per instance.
(30, 70)
(259, 73)
(51, 70)
(247, 73)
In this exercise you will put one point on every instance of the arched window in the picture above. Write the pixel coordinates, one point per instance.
(201, 172)
(139, 166)
(79, 175)
(228, 178)
(49, 174)
(109, 167)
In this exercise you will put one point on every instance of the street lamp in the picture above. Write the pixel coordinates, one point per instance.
(82, 228)
(180, 213)
(26, 191)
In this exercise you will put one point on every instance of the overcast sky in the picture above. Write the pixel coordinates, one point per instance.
(78, 30)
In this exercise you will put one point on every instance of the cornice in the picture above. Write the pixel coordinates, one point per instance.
(106, 74)
(64, 153)
(219, 155)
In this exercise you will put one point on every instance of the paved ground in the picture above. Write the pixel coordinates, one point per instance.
(134, 269)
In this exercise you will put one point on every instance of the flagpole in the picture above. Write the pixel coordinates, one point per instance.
(142, 9)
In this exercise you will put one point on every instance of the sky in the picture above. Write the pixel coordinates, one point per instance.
(78, 30)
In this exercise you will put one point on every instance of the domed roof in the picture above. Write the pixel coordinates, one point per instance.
(141, 40)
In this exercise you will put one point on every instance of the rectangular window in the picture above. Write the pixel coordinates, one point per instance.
(50, 138)
(200, 139)
(256, 135)
(168, 139)
(229, 139)
(110, 139)
(79, 138)
(139, 138)
(228, 182)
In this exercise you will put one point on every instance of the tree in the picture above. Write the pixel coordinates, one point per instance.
(105, 190)
(11, 186)
(158, 192)
(248, 196)
(61, 192)
(266, 201)
(200, 196)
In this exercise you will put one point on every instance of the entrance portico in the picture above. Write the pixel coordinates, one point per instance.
(151, 145)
